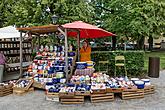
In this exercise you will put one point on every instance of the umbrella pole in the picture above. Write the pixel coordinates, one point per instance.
(78, 42)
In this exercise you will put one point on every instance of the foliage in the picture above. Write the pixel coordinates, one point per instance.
(134, 61)
(133, 18)
(39, 12)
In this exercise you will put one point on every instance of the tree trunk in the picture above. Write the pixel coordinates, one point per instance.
(150, 41)
(140, 43)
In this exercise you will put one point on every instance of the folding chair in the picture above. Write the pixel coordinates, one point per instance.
(103, 66)
(120, 62)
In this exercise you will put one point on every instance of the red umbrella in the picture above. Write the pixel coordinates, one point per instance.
(86, 30)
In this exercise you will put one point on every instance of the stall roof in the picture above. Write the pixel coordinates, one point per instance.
(40, 29)
(9, 32)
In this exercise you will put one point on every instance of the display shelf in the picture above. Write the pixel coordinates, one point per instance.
(14, 48)
(11, 48)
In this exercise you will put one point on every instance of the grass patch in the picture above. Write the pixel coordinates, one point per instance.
(155, 54)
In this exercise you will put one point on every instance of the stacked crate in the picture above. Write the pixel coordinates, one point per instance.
(149, 90)
(6, 90)
(70, 98)
(132, 94)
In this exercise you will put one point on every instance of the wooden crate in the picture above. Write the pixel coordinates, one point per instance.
(6, 91)
(23, 88)
(102, 97)
(114, 90)
(22, 92)
(66, 94)
(132, 94)
(149, 90)
(72, 100)
(50, 96)
(38, 85)
(99, 91)
(82, 93)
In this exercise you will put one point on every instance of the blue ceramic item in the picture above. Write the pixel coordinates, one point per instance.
(139, 84)
(81, 65)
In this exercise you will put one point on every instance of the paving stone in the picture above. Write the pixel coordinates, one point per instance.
(36, 101)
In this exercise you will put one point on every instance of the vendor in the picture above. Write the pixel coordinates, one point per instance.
(2, 63)
(85, 52)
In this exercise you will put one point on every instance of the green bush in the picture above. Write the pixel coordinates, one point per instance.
(134, 61)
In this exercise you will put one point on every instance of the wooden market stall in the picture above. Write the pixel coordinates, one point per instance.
(10, 47)
(40, 30)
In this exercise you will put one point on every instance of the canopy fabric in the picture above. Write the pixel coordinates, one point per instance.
(86, 30)
(9, 32)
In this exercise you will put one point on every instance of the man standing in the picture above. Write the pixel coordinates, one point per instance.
(2, 64)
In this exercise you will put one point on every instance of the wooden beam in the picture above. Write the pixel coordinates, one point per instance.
(20, 75)
(66, 54)
(78, 43)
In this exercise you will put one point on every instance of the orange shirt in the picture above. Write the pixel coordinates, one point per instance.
(85, 54)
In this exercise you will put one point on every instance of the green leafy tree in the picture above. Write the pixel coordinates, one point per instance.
(39, 12)
(133, 18)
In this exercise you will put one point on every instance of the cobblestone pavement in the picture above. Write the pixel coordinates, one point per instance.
(36, 101)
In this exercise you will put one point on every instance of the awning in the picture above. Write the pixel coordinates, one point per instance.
(9, 32)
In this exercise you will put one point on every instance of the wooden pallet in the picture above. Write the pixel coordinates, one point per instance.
(6, 91)
(114, 90)
(66, 94)
(102, 97)
(73, 100)
(50, 96)
(132, 94)
(22, 92)
(82, 93)
(149, 90)
(99, 91)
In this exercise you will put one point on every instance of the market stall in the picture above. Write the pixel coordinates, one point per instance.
(52, 63)
(10, 45)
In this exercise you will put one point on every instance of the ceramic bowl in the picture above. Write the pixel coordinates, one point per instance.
(147, 82)
(59, 75)
(134, 79)
(81, 65)
(140, 84)
(59, 48)
(59, 68)
(71, 54)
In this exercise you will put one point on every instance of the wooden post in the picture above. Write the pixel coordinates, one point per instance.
(39, 41)
(113, 42)
(78, 42)
(20, 55)
(66, 55)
